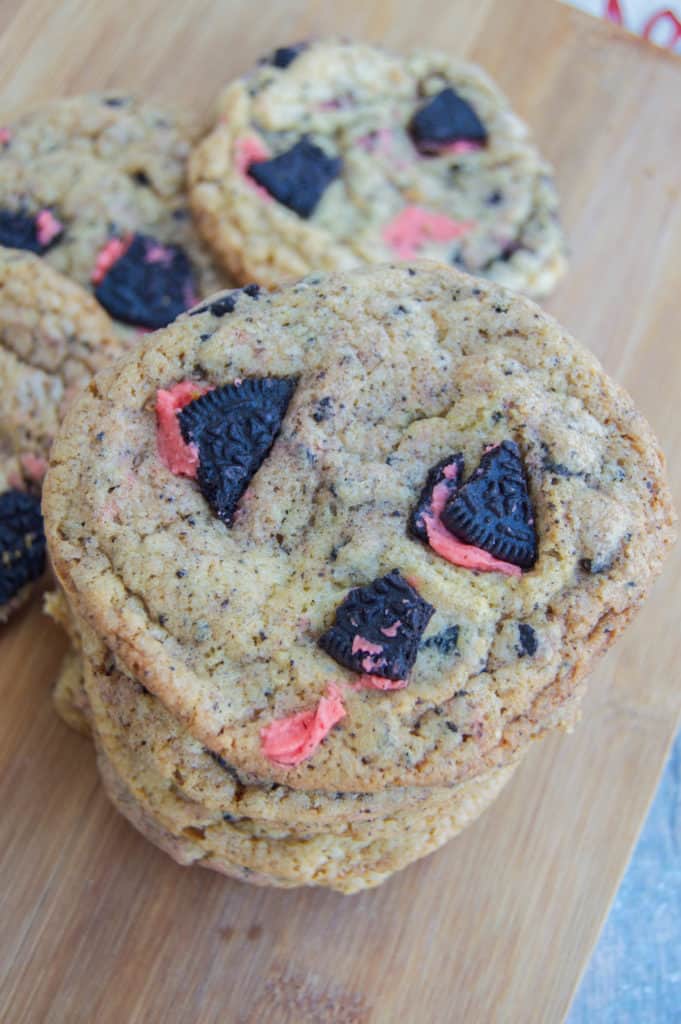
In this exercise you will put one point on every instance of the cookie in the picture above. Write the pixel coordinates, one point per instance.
(22, 540)
(95, 185)
(396, 368)
(53, 337)
(341, 153)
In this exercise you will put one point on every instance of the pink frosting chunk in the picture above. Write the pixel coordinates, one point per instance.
(359, 643)
(367, 682)
(47, 227)
(288, 741)
(414, 226)
(180, 458)
(249, 149)
(159, 254)
(450, 547)
(107, 256)
(34, 466)
(460, 146)
(5, 136)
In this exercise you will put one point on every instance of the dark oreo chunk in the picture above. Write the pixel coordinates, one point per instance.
(20, 231)
(492, 510)
(449, 471)
(299, 177)
(227, 303)
(22, 542)
(444, 642)
(377, 628)
(234, 428)
(446, 118)
(285, 55)
(149, 285)
(527, 640)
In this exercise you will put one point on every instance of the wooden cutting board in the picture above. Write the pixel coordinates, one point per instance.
(96, 925)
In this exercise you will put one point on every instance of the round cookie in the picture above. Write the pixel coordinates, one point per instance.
(22, 539)
(95, 185)
(343, 154)
(219, 609)
(53, 337)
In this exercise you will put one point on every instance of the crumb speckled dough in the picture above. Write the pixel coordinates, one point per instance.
(356, 103)
(53, 337)
(103, 166)
(407, 364)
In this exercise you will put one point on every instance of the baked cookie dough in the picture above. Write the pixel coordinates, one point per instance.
(343, 153)
(53, 337)
(211, 533)
(95, 185)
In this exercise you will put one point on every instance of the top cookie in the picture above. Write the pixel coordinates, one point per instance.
(369, 530)
(333, 154)
(96, 185)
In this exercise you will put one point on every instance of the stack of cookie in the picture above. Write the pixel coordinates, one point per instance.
(332, 557)
(335, 555)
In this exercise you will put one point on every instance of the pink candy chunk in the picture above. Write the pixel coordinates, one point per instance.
(409, 231)
(454, 148)
(107, 256)
(392, 630)
(47, 227)
(359, 643)
(180, 458)
(453, 550)
(34, 466)
(159, 254)
(249, 149)
(288, 741)
(367, 682)
(5, 136)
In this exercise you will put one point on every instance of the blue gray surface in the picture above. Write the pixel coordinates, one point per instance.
(634, 976)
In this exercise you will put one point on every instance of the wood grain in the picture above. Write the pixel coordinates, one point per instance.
(99, 926)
